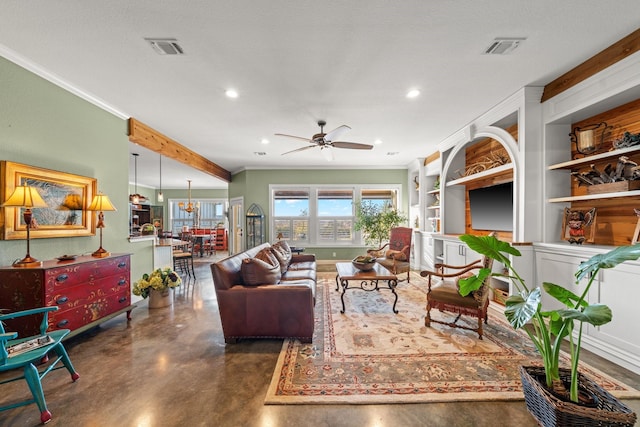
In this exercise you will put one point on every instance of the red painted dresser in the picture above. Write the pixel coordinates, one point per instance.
(86, 290)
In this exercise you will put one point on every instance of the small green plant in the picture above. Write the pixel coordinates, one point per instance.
(548, 328)
(376, 221)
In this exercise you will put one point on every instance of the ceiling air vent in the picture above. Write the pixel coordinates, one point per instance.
(166, 46)
(503, 45)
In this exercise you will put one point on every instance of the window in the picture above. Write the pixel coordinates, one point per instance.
(323, 215)
(335, 215)
(291, 214)
(207, 214)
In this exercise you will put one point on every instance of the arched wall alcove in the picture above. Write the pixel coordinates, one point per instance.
(453, 199)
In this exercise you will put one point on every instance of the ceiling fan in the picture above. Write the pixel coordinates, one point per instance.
(327, 140)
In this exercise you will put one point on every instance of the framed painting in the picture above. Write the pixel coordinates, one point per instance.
(67, 197)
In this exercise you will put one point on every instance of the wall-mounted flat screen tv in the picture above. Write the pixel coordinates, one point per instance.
(492, 207)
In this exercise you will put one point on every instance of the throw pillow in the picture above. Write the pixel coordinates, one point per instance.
(282, 252)
(257, 272)
(397, 255)
(267, 256)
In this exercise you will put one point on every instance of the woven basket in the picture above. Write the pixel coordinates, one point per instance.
(551, 411)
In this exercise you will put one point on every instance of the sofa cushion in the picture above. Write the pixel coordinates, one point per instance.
(257, 272)
(282, 251)
(298, 275)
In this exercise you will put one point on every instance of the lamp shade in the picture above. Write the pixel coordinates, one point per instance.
(25, 197)
(101, 202)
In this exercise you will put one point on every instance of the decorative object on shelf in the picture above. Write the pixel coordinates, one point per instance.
(26, 197)
(53, 187)
(636, 232)
(101, 203)
(621, 176)
(493, 160)
(416, 182)
(136, 198)
(158, 286)
(578, 226)
(590, 138)
(436, 183)
(627, 140)
(550, 328)
(364, 262)
(189, 207)
(160, 196)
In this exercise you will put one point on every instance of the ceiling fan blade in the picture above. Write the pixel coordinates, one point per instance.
(335, 134)
(300, 149)
(326, 152)
(351, 145)
(296, 137)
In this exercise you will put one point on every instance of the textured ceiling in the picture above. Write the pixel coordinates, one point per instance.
(295, 62)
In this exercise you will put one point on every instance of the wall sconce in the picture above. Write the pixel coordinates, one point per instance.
(189, 207)
(101, 203)
(589, 138)
(26, 197)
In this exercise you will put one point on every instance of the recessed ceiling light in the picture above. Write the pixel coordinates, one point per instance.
(377, 141)
(259, 153)
(231, 93)
(392, 153)
(413, 93)
(264, 141)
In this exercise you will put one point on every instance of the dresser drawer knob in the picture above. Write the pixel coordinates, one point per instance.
(122, 264)
(62, 300)
(122, 282)
(62, 278)
(62, 323)
(122, 299)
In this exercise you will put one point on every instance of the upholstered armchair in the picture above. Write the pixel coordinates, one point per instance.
(443, 294)
(395, 256)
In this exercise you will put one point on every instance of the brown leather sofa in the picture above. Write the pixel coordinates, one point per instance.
(266, 310)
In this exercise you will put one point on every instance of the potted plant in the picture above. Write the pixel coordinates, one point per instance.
(548, 328)
(157, 286)
(376, 221)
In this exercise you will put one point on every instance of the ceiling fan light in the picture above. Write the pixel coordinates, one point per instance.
(326, 153)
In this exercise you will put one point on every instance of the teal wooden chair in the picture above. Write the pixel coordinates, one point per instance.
(28, 360)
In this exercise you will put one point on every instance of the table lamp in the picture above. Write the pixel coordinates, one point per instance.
(101, 203)
(26, 197)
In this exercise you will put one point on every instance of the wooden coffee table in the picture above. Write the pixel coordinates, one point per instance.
(365, 280)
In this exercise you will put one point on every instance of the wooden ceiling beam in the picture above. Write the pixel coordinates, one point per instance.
(153, 140)
(614, 53)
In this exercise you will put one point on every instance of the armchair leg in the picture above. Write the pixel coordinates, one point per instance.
(62, 354)
(33, 380)
(427, 319)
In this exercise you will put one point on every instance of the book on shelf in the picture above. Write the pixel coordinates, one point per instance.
(31, 344)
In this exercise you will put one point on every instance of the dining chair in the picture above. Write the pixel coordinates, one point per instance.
(31, 355)
(183, 258)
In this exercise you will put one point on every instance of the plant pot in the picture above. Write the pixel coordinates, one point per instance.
(160, 299)
(549, 410)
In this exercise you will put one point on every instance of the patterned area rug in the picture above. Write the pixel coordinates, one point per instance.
(370, 355)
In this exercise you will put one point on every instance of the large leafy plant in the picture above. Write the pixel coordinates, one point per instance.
(547, 329)
(376, 221)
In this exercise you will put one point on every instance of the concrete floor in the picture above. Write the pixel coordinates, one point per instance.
(171, 367)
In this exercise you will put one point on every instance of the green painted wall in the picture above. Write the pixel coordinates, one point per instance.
(253, 185)
(43, 125)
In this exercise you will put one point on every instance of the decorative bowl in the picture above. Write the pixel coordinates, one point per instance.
(364, 263)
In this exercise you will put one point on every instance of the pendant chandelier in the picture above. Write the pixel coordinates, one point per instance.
(136, 198)
(189, 207)
(160, 195)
